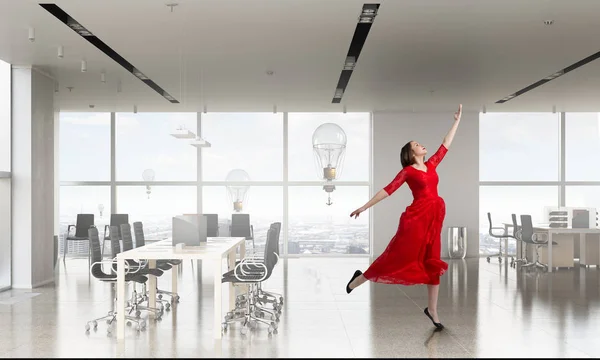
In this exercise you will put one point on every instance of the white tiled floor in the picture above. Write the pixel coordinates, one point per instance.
(489, 310)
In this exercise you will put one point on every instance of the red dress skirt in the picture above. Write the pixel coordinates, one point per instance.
(413, 255)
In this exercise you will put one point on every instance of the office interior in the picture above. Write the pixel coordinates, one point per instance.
(176, 178)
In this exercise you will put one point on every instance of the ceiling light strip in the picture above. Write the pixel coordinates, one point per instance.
(363, 26)
(549, 78)
(73, 24)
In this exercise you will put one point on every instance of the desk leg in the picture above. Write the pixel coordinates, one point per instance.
(121, 298)
(174, 272)
(217, 301)
(152, 285)
(242, 250)
(549, 251)
(230, 266)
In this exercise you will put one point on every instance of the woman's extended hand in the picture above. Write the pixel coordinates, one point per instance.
(458, 114)
(357, 212)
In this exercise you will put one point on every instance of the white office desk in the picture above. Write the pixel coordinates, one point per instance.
(214, 250)
(556, 231)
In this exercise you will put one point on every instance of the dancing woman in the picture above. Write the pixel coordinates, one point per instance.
(413, 255)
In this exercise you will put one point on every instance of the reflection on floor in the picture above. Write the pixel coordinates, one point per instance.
(489, 310)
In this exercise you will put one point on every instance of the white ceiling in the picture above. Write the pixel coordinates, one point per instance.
(420, 55)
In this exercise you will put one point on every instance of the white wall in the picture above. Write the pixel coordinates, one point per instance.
(32, 178)
(459, 172)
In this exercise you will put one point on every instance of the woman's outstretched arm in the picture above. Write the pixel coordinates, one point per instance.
(383, 193)
(450, 136)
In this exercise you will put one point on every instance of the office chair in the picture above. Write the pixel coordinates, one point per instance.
(240, 227)
(501, 237)
(97, 272)
(212, 225)
(517, 235)
(140, 240)
(250, 272)
(115, 220)
(528, 236)
(140, 268)
(269, 297)
(83, 224)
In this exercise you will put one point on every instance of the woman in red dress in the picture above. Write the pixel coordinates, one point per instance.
(413, 255)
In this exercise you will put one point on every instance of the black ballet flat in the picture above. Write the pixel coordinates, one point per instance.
(438, 326)
(357, 273)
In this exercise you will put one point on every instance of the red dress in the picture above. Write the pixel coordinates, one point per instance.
(413, 255)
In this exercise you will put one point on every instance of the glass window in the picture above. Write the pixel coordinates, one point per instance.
(82, 200)
(316, 228)
(502, 201)
(582, 137)
(249, 141)
(5, 116)
(519, 147)
(263, 203)
(84, 146)
(301, 161)
(583, 196)
(157, 209)
(144, 141)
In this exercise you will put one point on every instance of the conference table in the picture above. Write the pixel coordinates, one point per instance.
(211, 252)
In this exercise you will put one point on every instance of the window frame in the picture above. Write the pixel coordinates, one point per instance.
(200, 183)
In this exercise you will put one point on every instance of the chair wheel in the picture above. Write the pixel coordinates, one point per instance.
(128, 323)
(87, 327)
(488, 259)
(95, 324)
(138, 313)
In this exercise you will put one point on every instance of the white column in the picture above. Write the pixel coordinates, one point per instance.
(33, 117)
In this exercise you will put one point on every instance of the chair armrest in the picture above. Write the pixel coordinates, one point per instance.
(499, 228)
(69, 229)
(112, 263)
(251, 232)
(106, 229)
(519, 234)
(238, 266)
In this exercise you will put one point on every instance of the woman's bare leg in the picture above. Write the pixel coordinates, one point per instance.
(358, 282)
(432, 293)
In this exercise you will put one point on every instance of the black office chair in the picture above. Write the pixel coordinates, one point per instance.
(528, 236)
(240, 227)
(84, 223)
(517, 235)
(251, 273)
(501, 237)
(115, 220)
(140, 268)
(97, 272)
(212, 225)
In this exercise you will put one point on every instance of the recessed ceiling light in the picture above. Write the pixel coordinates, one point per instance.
(270, 72)
(31, 34)
(92, 106)
(172, 5)
(548, 22)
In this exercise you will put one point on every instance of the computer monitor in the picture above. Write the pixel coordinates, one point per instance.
(189, 230)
